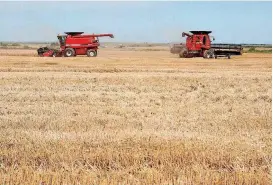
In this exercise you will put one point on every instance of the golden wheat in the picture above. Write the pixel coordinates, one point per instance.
(135, 117)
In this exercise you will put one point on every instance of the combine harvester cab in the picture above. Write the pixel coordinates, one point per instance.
(198, 44)
(73, 44)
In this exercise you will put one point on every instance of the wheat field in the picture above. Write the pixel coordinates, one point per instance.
(134, 117)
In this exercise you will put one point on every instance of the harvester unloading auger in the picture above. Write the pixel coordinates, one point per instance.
(73, 44)
(198, 44)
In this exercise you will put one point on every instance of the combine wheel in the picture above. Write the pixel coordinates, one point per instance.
(91, 53)
(69, 52)
(205, 55)
(209, 54)
(183, 53)
(228, 56)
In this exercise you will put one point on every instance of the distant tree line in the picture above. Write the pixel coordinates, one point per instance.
(254, 50)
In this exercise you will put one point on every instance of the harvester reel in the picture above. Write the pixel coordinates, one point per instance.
(42, 50)
(183, 53)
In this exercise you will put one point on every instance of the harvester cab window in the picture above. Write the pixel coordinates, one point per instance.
(62, 40)
(204, 40)
(96, 39)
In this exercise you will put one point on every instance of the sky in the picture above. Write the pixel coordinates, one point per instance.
(139, 21)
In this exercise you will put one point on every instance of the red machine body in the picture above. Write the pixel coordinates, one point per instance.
(198, 41)
(198, 44)
(75, 43)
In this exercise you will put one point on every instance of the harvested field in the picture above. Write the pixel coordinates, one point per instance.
(135, 117)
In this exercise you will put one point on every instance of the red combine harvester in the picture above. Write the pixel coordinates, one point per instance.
(198, 44)
(73, 44)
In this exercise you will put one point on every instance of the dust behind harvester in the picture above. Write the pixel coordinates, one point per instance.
(198, 44)
(73, 44)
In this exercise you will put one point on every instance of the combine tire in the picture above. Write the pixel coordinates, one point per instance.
(183, 53)
(228, 56)
(91, 53)
(69, 52)
(209, 54)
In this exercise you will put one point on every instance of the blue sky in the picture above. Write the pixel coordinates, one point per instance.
(231, 22)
